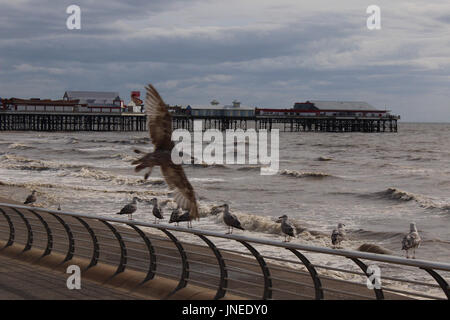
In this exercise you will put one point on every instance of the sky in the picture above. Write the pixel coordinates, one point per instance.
(260, 52)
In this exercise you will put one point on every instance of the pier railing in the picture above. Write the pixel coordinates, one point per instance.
(206, 259)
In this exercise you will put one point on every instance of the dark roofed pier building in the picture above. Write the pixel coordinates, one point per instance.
(96, 101)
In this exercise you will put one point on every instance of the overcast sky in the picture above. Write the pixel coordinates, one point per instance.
(264, 53)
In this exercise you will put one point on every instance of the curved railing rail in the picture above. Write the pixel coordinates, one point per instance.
(176, 252)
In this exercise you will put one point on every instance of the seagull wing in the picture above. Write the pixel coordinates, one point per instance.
(159, 120)
(185, 196)
(290, 229)
(236, 223)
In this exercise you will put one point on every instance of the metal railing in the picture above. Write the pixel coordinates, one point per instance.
(190, 256)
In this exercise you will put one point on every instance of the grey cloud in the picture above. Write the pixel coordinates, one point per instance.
(323, 55)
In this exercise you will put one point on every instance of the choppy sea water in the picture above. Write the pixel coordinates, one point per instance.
(376, 184)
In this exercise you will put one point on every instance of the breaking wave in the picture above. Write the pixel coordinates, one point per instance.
(250, 168)
(324, 159)
(373, 248)
(305, 174)
(22, 163)
(422, 200)
(118, 180)
(19, 146)
(40, 185)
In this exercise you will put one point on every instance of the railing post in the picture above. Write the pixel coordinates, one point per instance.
(11, 229)
(71, 247)
(441, 281)
(184, 261)
(151, 251)
(96, 249)
(49, 247)
(313, 273)
(265, 270)
(29, 231)
(221, 291)
(378, 292)
(123, 249)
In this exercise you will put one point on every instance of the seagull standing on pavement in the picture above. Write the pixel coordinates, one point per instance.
(31, 198)
(177, 217)
(129, 209)
(156, 210)
(286, 228)
(338, 235)
(411, 241)
(230, 220)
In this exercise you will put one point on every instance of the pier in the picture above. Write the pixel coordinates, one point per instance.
(72, 121)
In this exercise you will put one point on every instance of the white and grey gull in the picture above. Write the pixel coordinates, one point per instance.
(338, 235)
(286, 227)
(159, 123)
(230, 219)
(129, 209)
(156, 210)
(178, 217)
(411, 241)
(31, 198)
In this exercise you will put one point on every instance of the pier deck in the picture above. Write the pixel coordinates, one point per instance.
(38, 121)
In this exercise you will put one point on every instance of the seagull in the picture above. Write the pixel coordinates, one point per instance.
(31, 198)
(286, 228)
(156, 210)
(177, 217)
(159, 122)
(230, 220)
(411, 240)
(130, 208)
(338, 235)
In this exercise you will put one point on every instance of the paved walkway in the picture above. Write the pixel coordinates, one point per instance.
(22, 280)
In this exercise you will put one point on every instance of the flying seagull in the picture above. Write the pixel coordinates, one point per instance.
(130, 208)
(230, 220)
(338, 235)
(411, 240)
(286, 228)
(31, 198)
(156, 210)
(159, 122)
(177, 217)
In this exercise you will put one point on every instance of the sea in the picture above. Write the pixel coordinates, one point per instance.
(374, 183)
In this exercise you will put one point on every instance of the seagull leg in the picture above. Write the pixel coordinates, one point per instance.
(414, 253)
(149, 172)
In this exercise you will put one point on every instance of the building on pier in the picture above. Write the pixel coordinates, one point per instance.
(217, 110)
(39, 105)
(96, 101)
(319, 108)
